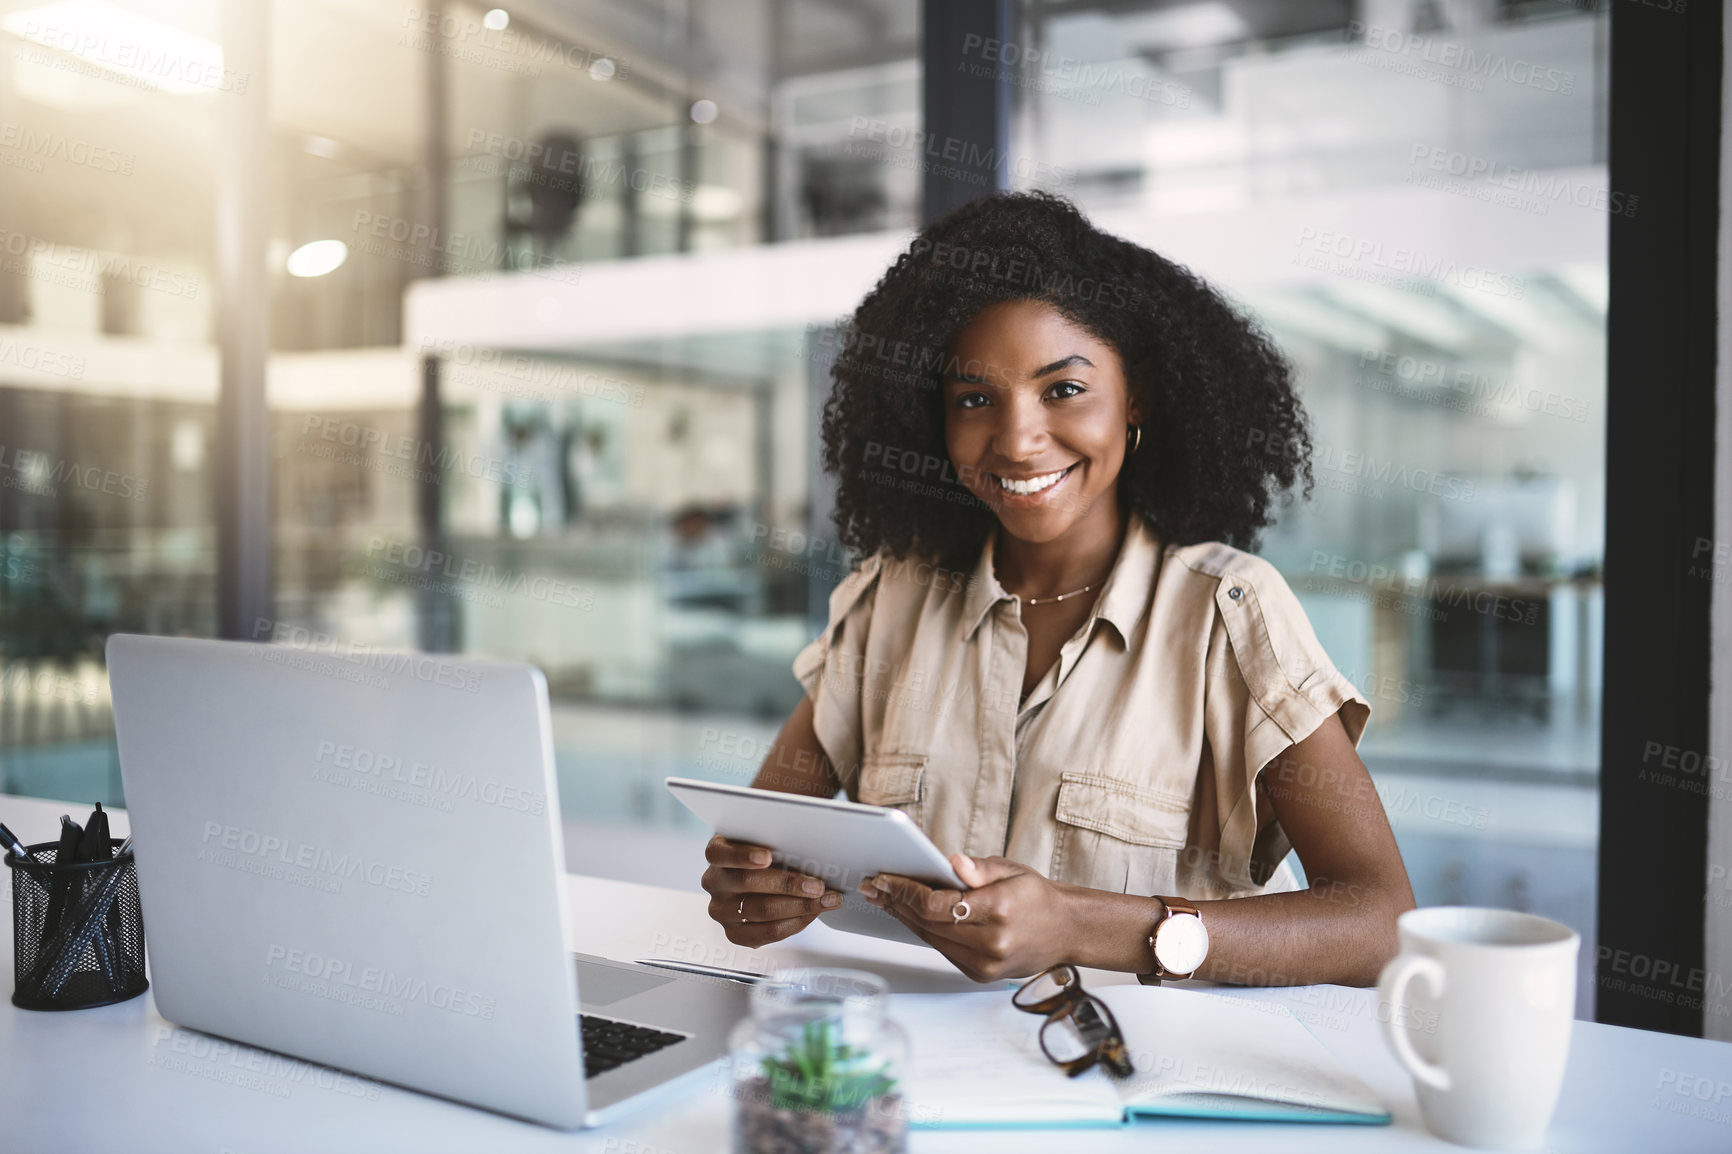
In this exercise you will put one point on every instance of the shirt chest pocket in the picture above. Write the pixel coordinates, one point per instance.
(894, 779)
(1117, 836)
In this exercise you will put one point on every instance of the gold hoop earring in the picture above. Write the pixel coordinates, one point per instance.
(1135, 437)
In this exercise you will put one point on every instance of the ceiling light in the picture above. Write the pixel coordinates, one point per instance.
(1423, 317)
(43, 79)
(496, 20)
(713, 203)
(1190, 26)
(317, 258)
(703, 111)
(602, 69)
(1299, 312)
(112, 38)
(186, 446)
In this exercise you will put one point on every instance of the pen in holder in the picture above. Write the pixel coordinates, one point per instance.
(93, 952)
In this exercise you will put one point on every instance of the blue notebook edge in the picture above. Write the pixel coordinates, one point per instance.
(1132, 1115)
(1259, 1112)
(1055, 1124)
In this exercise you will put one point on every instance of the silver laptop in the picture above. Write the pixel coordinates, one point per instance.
(355, 857)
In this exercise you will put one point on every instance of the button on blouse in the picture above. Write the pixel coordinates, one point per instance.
(1133, 764)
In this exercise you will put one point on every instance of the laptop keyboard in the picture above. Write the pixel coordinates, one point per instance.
(607, 1043)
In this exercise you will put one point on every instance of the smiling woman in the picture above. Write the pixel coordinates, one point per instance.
(1084, 688)
(1223, 431)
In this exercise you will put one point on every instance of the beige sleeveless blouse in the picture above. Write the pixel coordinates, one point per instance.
(1132, 766)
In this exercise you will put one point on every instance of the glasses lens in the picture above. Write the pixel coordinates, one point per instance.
(1044, 988)
(1085, 1029)
(1063, 1041)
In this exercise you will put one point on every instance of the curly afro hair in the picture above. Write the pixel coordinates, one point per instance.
(1224, 434)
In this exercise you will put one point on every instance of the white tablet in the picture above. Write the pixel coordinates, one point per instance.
(842, 842)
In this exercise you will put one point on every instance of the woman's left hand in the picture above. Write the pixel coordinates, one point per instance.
(1017, 923)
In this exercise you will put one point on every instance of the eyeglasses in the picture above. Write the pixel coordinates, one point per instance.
(1079, 1029)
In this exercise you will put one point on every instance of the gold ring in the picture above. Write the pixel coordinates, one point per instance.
(959, 912)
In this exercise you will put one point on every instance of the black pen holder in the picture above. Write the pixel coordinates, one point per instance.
(93, 952)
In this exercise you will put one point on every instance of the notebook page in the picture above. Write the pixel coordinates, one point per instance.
(975, 1060)
(1189, 1048)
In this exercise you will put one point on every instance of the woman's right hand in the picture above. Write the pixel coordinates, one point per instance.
(757, 903)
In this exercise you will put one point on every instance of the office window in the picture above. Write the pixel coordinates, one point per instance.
(107, 379)
(639, 512)
(1414, 203)
(626, 522)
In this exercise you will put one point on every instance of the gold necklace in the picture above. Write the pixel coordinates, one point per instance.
(1059, 597)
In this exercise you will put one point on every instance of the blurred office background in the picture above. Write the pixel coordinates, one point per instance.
(620, 236)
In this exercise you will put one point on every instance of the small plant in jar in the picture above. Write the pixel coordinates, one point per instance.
(815, 1069)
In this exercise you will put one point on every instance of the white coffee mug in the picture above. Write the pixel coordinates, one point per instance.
(1480, 1004)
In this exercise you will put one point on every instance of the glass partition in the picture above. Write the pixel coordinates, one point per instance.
(1422, 205)
(1411, 197)
(107, 375)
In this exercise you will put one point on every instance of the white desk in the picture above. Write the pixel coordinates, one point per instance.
(122, 1077)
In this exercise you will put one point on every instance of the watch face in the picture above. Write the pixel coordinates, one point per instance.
(1181, 943)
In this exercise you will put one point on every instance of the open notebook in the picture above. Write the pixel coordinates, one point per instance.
(975, 1061)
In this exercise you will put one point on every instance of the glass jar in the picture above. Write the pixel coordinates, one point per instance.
(817, 1068)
